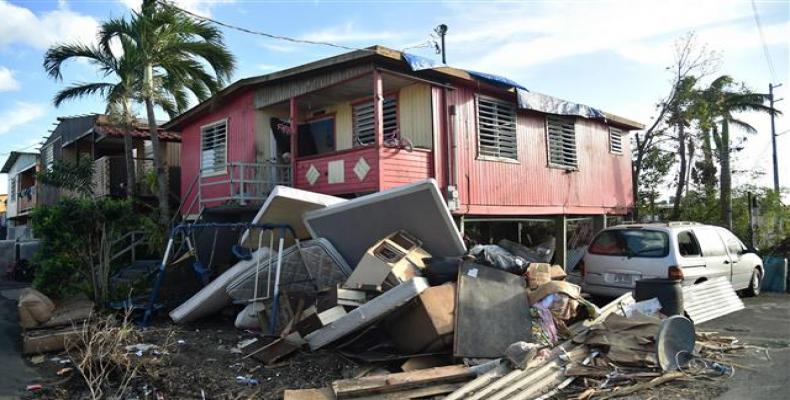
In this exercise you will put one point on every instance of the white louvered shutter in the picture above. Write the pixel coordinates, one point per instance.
(213, 148)
(615, 140)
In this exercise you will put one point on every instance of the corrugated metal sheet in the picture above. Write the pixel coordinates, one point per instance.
(710, 300)
(602, 183)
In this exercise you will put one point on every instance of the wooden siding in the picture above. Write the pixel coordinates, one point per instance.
(415, 115)
(351, 182)
(399, 167)
(602, 183)
(276, 93)
(240, 114)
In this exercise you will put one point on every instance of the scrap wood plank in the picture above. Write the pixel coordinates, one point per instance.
(309, 394)
(370, 385)
(417, 393)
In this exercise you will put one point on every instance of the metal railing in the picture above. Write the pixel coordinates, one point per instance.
(134, 239)
(242, 183)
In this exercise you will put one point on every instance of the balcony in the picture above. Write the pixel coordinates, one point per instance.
(27, 200)
(243, 184)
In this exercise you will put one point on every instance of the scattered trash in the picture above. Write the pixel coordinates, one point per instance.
(37, 359)
(65, 371)
(646, 307)
(140, 348)
(34, 387)
(247, 380)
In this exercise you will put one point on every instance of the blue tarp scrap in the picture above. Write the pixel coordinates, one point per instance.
(495, 79)
(552, 105)
(417, 63)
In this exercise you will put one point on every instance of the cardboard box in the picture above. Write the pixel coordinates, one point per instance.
(542, 273)
(313, 321)
(426, 323)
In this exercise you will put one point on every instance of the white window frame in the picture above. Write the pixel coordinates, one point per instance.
(13, 192)
(394, 119)
(566, 142)
(223, 170)
(499, 137)
(616, 148)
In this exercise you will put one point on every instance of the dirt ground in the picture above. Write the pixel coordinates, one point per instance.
(201, 363)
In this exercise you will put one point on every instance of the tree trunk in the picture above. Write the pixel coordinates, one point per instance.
(131, 176)
(681, 172)
(159, 166)
(725, 198)
(708, 174)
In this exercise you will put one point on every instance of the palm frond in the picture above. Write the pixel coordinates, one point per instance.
(80, 90)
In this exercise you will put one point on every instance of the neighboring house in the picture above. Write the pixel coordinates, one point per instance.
(99, 139)
(3, 221)
(20, 168)
(377, 118)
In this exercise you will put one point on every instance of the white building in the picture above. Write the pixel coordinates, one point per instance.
(21, 170)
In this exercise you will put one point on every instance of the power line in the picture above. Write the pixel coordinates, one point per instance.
(259, 33)
(768, 58)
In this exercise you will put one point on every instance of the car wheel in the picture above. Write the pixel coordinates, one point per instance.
(754, 284)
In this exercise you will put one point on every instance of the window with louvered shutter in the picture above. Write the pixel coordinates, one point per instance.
(615, 140)
(561, 142)
(496, 129)
(213, 148)
(364, 133)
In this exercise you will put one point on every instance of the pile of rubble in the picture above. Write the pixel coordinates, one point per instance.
(387, 281)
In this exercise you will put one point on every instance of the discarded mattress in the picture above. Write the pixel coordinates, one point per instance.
(286, 205)
(710, 300)
(317, 266)
(367, 313)
(213, 296)
(355, 225)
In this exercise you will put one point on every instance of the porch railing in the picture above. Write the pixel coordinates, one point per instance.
(243, 184)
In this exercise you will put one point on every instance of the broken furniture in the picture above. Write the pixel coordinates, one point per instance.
(313, 320)
(355, 225)
(492, 311)
(285, 206)
(426, 323)
(47, 325)
(368, 313)
(391, 261)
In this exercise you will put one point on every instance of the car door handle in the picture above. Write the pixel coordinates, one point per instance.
(726, 261)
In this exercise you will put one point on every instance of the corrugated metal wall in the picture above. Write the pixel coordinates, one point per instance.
(602, 183)
(415, 117)
(240, 113)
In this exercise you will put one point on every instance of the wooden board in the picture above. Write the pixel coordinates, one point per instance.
(309, 394)
(494, 299)
(374, 385)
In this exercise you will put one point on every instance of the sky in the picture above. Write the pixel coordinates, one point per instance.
(608, 54)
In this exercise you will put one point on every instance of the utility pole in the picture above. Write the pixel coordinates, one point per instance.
(441, 30)
(771, 88)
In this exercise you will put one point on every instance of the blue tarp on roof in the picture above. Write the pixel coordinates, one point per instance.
(495, 79)
(526, 100)
(552, 105)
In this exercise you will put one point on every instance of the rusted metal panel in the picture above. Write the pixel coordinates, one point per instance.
(602, 183)
(275, 93)
(358, 168)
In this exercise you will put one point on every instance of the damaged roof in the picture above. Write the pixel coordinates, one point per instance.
(415, 64)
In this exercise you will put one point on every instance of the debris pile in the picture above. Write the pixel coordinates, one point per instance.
(385, 280)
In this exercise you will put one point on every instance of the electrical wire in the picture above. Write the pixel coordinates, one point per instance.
(259, 33)
(768, 58)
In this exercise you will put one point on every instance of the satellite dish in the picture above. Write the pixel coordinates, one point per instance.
(675, 342)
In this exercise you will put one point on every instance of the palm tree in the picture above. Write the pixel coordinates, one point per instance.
(177, 56)
(726, 99)
(118, 95)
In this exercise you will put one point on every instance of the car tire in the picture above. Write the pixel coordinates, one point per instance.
(754, 284)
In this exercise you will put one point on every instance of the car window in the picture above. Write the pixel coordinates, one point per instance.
(734, 245)
(687, 244)
(710, 243)
(631, 243)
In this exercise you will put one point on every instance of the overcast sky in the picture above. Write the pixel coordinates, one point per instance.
(611, 55)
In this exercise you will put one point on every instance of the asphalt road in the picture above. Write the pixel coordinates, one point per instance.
(15, 374)
(766, 323)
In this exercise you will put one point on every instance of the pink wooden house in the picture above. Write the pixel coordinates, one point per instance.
(373, 119)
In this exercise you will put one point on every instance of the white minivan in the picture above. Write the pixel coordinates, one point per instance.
(621, 255)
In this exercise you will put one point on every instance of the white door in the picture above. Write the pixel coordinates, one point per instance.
(741, 268)
(717, 260)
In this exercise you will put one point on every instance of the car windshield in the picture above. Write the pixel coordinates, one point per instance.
(631, 243)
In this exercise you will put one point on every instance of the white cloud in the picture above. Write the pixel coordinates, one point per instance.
(7, 80)
(20, 25)
(347, 33)
(199, 7)
(533, 33)
(21, 113)
(268, 67)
